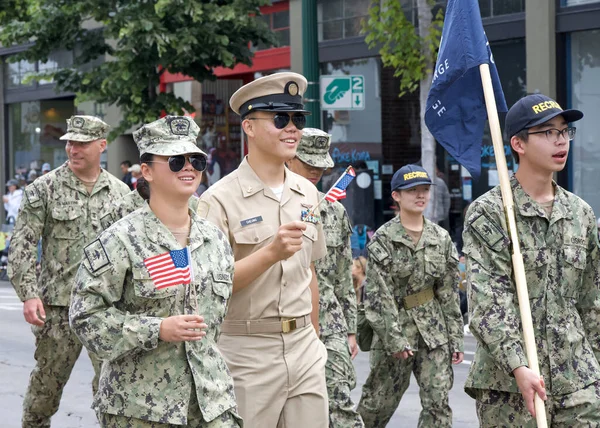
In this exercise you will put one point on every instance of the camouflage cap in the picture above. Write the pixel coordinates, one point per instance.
(168, 136)
(85, 128)
(313, 148)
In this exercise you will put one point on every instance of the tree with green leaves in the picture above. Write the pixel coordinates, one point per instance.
(121, 47)
(410, 51)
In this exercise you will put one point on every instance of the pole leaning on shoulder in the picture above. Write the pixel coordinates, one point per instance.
(517, 257)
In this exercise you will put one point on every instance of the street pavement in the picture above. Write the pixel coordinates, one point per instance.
(16, 363)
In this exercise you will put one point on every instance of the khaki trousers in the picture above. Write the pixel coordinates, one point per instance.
(279, 378)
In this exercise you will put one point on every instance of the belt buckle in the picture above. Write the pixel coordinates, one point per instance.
(288, 325)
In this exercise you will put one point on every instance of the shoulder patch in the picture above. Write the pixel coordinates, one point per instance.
(488, 231)
(222, 277)
(96, 256)
(203, 209)
(378, 251)
(33, 196)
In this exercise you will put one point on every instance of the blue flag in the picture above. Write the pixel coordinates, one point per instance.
(455, 112)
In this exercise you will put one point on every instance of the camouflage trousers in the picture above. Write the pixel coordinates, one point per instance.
(56, 351)
(389, 378)
(229, 419)
(340, 376)
(505, 409)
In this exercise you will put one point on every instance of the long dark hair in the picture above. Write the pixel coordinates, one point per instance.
(142, 186)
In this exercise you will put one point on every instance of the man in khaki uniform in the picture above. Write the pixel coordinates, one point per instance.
(337, 306)
(63, 208)
(275, 356)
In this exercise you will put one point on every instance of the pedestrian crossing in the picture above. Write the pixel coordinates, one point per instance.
(9, 300)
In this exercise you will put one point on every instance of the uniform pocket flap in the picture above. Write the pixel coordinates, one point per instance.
(575, 256)
(253, 235)
(66, 213)
(222, 289)
(144, 286)
(310, 232)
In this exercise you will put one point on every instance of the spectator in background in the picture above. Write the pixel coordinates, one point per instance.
(46, 168)
(12, 200)
(136, 172)
(359, 273)
(442, 200)
(125, 165)
(214, 167)
(31, 176)
(203, 185)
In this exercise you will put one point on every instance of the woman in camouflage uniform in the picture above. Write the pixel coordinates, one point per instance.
(411, 302)
(151, 294)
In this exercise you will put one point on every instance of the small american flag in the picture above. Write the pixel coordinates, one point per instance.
(170, 268)
(338, 190)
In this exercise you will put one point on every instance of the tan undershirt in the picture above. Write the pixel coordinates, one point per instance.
(182, 234)
(414, 234)
(547, 206)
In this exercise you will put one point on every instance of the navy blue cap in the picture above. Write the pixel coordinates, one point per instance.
(410, 176)
(533, 110)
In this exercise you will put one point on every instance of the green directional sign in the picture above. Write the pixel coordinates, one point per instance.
(339, 92)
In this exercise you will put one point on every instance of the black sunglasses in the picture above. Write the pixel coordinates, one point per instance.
(176, 163)
(281, 120)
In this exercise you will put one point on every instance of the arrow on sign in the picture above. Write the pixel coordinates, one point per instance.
(357, 100)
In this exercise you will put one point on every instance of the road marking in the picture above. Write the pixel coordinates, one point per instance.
(467, 362)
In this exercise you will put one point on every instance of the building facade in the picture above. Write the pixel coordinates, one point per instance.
(548, 46)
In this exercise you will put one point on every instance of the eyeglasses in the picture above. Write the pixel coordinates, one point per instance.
(552, 134)
(176, 163)
(281, 120)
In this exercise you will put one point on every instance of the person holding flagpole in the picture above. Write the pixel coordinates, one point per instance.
(337, 304)
(412, 305)
(270, 334)
(150, 296)
(559, 242)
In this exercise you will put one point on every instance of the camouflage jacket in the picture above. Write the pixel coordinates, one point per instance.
(128, 204)
(116, 311)
(57, 208)
(337, 301)
(562, 268)
(397, 268)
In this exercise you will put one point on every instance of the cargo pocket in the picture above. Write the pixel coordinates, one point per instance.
(145, 287)
(67, 222)
(253, 235)
(536, 270)
(435, 264)
(309, 236)
(572, 274)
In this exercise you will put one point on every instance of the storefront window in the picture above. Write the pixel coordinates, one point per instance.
(489, 8)
(34, 131)
(279, 23)
(17, 72)
(585, 151)
(577, 2)
(340, 19)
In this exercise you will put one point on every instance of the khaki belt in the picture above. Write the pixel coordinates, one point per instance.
(418, 299)
(283, 325)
